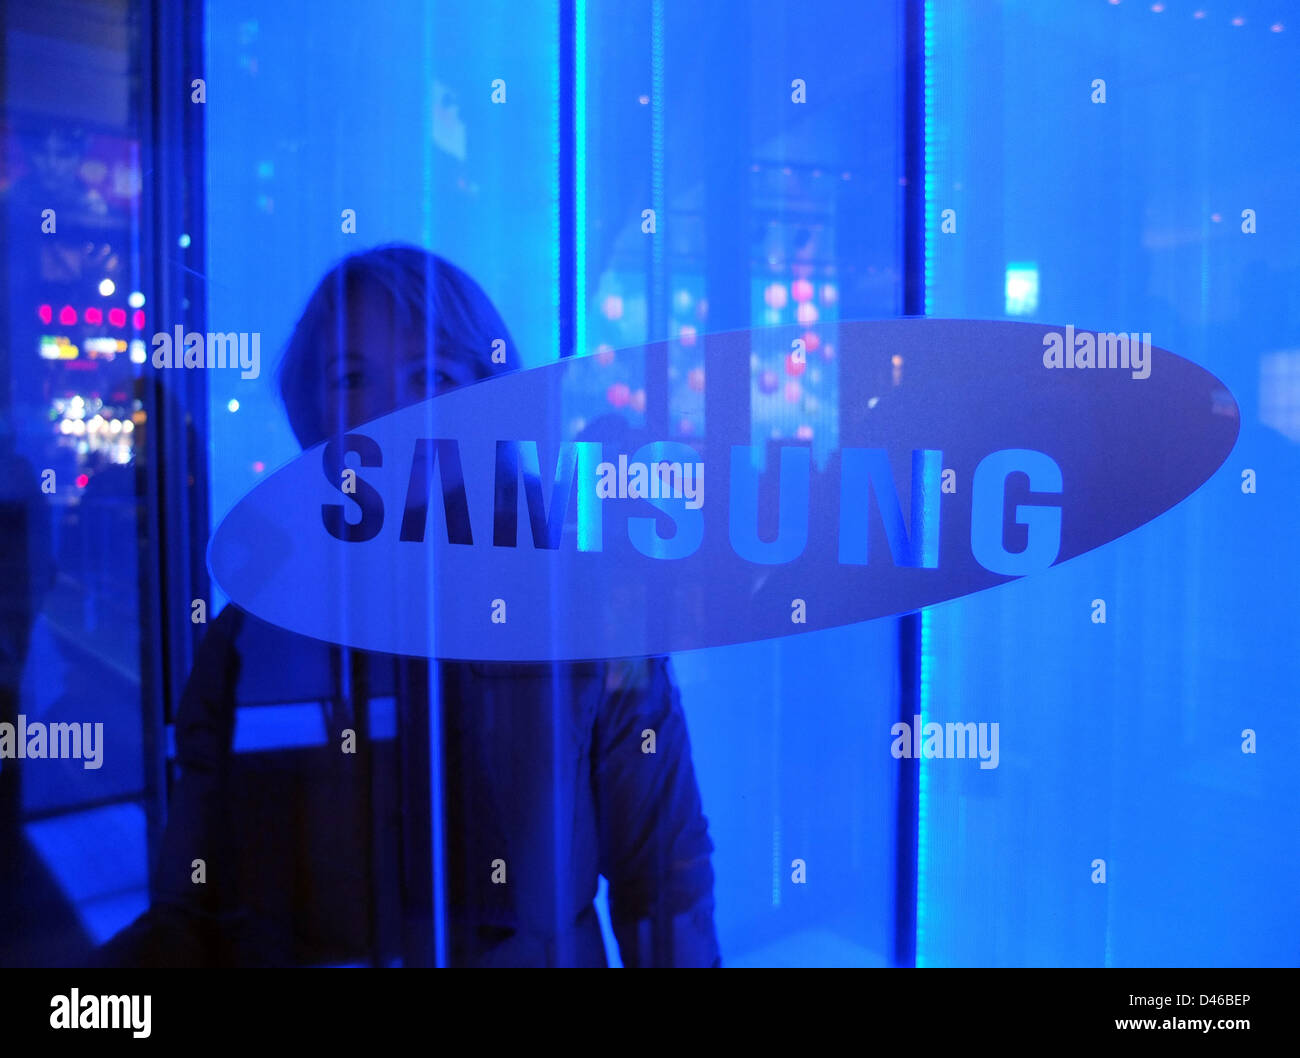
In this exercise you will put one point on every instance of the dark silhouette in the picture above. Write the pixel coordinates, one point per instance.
(314, 856)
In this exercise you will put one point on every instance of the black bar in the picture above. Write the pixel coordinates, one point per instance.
(914, 158)
(171, 464)
(909, 626)
(300, 1009)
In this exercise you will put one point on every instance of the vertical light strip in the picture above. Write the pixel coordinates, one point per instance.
(927, 138)
(434, 689)
(557, 681)
(426, 189)
(923, 792)
(580, 347)
(657, 163)
(927, 657)
(557, 170)
(777, 858)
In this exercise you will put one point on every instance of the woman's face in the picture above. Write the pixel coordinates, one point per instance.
(380, 365)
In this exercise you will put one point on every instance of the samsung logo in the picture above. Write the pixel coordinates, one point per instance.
(866, 481)
(476, 525)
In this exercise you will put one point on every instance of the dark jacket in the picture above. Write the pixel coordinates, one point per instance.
(315, 855)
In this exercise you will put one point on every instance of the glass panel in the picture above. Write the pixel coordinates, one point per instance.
(319, 213)
(768, 211)
(74, 430)
(524, 145)
(1122, 167)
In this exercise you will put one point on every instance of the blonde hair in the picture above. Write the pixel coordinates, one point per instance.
(428, 293)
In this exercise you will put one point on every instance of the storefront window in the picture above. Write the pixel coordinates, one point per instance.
(237, 231)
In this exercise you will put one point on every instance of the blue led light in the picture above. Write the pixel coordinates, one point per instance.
(927, 658)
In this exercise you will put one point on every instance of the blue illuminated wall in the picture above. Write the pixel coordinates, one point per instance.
(1123, 741)
(1120, 741)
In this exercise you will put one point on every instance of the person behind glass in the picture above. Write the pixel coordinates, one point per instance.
(318, 856)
